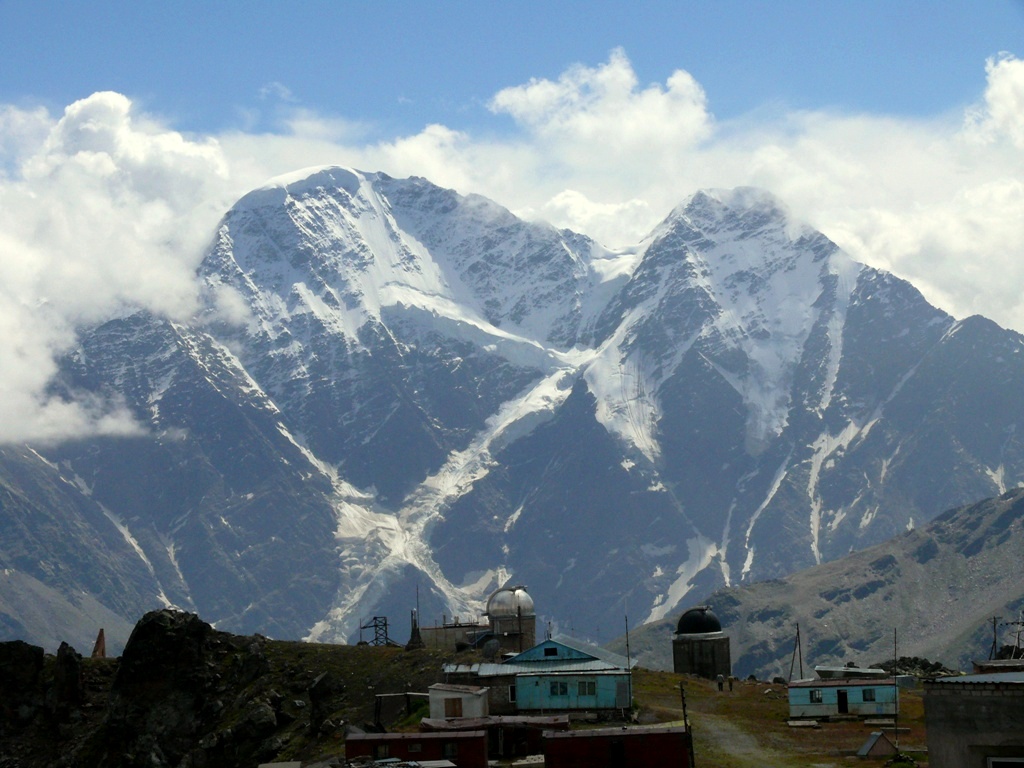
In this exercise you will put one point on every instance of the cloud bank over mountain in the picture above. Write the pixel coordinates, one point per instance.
(108, 206)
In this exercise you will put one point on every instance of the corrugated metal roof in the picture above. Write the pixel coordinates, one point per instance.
(845, 682)
(643, 730)
(487, 669)
(474, 689)
(991, 677)
(594, 650)
(551, 722)
(564, 668)
(595, 667)
(424, 736)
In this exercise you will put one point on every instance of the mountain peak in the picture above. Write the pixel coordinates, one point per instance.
(299, 183)
(747, 210)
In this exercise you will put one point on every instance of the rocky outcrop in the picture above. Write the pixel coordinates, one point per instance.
(187, 695)
(21, 666)
(176, 701)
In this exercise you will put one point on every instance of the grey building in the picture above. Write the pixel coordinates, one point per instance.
(700, 647)
(974, 721)
(510, 621)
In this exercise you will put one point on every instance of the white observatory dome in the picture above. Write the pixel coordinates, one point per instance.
(510, 601)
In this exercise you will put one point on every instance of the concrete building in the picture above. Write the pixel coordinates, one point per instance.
(510, 620)
(448, 701)
(700, 647)
(975, 721)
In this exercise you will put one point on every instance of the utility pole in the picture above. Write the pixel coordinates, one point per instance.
(686, 722)
(1015, 653)
(895, 692)
(995, 638)
(797, 649)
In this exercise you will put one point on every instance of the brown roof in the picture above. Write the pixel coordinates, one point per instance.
(549, 722)
(477, 689)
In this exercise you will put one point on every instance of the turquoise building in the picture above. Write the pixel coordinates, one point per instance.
(863, 697)
(554, 676)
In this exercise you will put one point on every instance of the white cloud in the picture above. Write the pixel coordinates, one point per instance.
(603, 107)
(104, 211)
(105, 208)
(1002, 116)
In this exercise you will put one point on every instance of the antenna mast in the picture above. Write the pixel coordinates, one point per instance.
(995, 638)
(629, 666)
(797, 650)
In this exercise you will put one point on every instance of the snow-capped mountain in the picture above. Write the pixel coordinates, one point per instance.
(396, 388)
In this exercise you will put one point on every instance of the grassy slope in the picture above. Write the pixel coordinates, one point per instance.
(747, 727)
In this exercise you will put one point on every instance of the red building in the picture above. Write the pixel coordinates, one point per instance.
(618, 747)
(507, 736)
(467, 749)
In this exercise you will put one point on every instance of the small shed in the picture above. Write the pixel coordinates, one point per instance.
(447, 701)
(850, 696)
(612, 747)
(877, 745)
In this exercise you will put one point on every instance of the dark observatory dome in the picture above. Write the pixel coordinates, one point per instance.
(698, 621)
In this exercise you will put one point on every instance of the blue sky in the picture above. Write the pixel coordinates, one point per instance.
(127, 130)
(399, 66)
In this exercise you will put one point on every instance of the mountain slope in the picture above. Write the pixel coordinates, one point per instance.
(395, 389)
(937, 586)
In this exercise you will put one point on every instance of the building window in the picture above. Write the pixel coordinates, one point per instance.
(815, 696)
(415, 747)
(451, 749)
(551, 651)
(559, 689)
(380, 752)
(588, 688)
(868, 694)
(512, 694)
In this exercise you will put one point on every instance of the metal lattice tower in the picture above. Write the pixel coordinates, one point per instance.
(379, 625)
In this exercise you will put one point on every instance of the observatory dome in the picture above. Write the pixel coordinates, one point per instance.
(698, 621)
(510, 601)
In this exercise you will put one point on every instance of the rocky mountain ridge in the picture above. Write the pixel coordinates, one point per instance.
(396, 390)
(936, 587)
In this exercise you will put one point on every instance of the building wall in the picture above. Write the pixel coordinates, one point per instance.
(703, 655)
(448, 636)
(801, 704)
(604, 749)
(967, 723)
(473, 704)
(515, 633)
(498, 700)
(466, 750)
(553, 651)
(535, 692)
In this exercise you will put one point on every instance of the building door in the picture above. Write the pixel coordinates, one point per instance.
(617, 754)
(843, 702)
(621, 694)
(453, 707)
